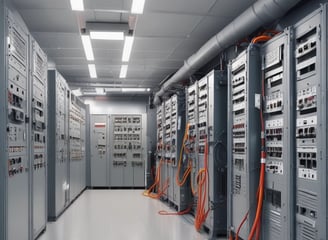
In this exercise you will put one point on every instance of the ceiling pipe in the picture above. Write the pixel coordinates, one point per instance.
(260, 13)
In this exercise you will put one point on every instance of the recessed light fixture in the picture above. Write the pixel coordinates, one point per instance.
(124, 70)
(87, 47)
(127, 48)
(92, 70)
(133, 89)
(107, 35)
(137, 6)
(77, 5)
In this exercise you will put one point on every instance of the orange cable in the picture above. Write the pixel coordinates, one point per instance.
(201, 212)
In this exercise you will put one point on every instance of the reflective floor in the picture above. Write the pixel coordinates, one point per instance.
(119, 215)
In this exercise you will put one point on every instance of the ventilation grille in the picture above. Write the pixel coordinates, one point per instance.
(307, 199)
(306, 232)
(273, 224)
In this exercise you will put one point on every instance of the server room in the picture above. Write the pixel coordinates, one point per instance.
(163, 119)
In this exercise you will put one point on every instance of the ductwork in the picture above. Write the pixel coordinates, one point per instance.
(260, 13)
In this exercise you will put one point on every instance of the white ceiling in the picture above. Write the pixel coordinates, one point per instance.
(166, 34)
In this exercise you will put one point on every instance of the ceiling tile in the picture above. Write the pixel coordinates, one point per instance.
(107, 17)
(50, 20)
(166, 25)
(58, 40)
(41, 4)
(180, 6)
(54, 52)
(155, 44)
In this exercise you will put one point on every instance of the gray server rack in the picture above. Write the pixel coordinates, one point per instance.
(15, 117)
(99, 138)
(278, 206)
(58, 139)
(160, 153)
(311, 125)
(38, 136)
(243, 139)
(212, 135)
(76, 146)
(191, 144)
(181, 194)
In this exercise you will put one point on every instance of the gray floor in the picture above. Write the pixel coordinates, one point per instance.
(119, 215)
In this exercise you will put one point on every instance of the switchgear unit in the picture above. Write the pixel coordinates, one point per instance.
(58, 140)
(118, 150)
(311, 125)
(39, 137)
(99, 135)
(23, 146)
(127, 168)
(181, 192)
(16, 116)
(278, 206)
(171, 163)
(77, 153)
(243, 140)
(212, 143)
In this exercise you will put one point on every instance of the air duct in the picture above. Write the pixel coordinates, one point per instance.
(260, 13)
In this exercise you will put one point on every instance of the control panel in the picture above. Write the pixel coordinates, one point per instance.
(243, 139)
(311, 123)
(277, 211)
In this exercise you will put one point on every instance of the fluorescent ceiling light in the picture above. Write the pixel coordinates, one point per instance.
(107, 35)
(133, 89)
(124, 70)
(92, 70)
(100, 91)
(77, 5)
(127, 48)
(148, 89)
(87, 47)
(137, 6)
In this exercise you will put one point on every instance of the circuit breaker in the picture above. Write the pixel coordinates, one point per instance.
(243, 139)
(278, 206)
(77, 118)
(58, 141)
(39, 136)
(127, 166)
(99, 134)
(311, 125)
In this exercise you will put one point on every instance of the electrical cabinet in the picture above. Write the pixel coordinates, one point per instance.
(99, 134)
(127, 165)
(77, 153)
(212, 143)
(278, 205)
(15, 117)
(58, 140)
(160, 150)
(118, 152)
(243, 139)
(311, 125)
(191, 144)
(181, 194)
(39, 137)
